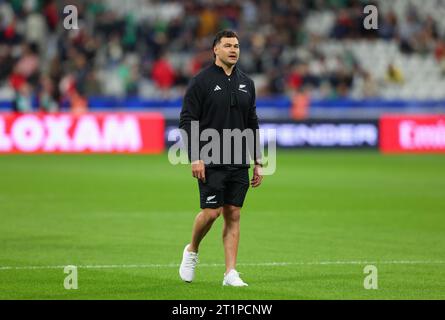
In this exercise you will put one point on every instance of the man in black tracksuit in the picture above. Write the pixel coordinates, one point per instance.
(220, 97)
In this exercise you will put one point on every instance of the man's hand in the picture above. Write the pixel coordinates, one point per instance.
(257, 176)
(198, 170)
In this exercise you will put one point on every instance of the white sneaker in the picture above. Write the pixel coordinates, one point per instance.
(233, 279)
(188, 264)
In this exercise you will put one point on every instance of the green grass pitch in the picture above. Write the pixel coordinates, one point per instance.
(306, 233)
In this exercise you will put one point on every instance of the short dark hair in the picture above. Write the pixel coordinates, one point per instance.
(224, 34)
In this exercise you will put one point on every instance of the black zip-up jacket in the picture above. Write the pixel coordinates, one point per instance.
(220, 102)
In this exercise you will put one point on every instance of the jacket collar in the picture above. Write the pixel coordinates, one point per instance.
(221, 70)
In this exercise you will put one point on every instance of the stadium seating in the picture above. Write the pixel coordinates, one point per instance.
(284, 43)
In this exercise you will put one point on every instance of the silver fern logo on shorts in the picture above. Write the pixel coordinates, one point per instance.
(210, 198)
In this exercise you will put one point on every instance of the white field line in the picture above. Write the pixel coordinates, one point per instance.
(260, 264)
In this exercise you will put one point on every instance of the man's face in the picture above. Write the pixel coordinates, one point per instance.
(227, 50)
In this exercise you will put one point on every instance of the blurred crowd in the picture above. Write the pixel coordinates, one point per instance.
(151, 49)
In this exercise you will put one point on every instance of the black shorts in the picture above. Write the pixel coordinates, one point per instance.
(224, 185)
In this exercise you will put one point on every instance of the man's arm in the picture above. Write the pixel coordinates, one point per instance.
(191, 111)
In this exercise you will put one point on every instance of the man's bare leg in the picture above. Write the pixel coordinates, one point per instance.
(203, 222)
(231, 233)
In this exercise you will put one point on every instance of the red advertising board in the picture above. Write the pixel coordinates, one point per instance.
(87, 133)
(412, 133)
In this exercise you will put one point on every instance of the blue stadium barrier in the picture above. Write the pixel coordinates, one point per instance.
(281, 102)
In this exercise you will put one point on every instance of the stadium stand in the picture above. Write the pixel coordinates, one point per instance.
(142, 53)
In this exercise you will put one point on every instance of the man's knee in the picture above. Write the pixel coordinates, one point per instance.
(211, 213)
(232, 213)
